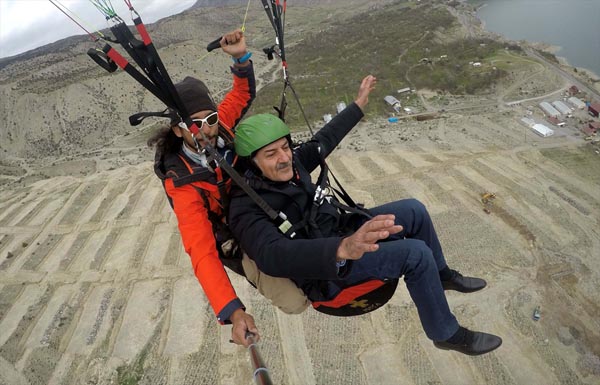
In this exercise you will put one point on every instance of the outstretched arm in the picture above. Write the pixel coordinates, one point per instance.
(333, 132)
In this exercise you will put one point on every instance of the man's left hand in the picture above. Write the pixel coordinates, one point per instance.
(234, 43)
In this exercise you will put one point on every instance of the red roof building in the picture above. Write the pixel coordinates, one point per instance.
(555, 121)
(594, 109)
(573, 90)
(594, 126)
(588, 130)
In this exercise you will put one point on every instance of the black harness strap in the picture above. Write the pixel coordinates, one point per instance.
(160, 70)
(344, 195)
(317, 201)
(197, 176)
(133, 46)
(134, 73)
(136, 119)
(279, 218)
(321, 194)
(223, 193)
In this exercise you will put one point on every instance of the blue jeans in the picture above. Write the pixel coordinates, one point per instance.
(416, 254)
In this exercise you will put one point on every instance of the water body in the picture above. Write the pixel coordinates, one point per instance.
(572, 25)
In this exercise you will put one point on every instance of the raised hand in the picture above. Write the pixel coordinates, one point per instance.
(234, 43)
(366, 86)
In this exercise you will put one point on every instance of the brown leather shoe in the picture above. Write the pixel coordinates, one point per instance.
(474, 343)
(463, 284)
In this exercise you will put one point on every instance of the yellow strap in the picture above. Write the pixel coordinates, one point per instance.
(245, 17)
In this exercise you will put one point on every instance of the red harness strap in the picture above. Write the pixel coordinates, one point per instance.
(349, 294)
(359, 299)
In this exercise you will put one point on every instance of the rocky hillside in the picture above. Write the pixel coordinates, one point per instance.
(55, 101)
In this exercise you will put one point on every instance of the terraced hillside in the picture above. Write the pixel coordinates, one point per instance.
(95, 287)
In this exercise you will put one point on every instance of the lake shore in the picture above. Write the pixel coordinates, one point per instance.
(584, 74)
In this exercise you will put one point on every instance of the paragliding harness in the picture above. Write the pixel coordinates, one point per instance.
(358, 299)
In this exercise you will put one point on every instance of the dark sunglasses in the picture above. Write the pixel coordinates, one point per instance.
(211, 120)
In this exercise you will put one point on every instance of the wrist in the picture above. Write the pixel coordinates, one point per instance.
(237, 313)
(238, 55)
(241, 59)
(361, 103)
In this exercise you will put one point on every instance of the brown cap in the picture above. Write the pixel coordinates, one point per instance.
(194, 95)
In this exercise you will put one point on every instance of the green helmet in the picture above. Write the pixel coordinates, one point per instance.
(257, 131)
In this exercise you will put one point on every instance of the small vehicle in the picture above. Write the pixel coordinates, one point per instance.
(487, 197)
(537, 313)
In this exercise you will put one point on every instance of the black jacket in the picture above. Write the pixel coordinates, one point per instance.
(308, 262)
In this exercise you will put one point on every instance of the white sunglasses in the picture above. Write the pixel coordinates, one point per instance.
(211, 120)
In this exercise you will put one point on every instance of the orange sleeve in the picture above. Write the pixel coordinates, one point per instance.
(237, 101)
(199, 242)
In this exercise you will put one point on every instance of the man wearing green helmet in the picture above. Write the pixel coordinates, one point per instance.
(330, 248)
(259, 131)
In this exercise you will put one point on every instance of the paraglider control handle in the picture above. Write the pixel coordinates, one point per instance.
(102, 59)
(269, 51)
(215, 44)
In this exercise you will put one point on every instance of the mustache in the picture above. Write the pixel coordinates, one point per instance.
(282, 166)
(208, 137)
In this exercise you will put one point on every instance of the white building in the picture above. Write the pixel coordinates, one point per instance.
(340, 107)
(403, 90)
(393, 102)
(542, 130)
(528, 122)
(549, 110)
(327, 118)
(562, 108)
(576, 102)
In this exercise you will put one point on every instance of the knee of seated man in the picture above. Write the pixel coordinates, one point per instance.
(416, 205)
(420, 257)
(282, 292)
